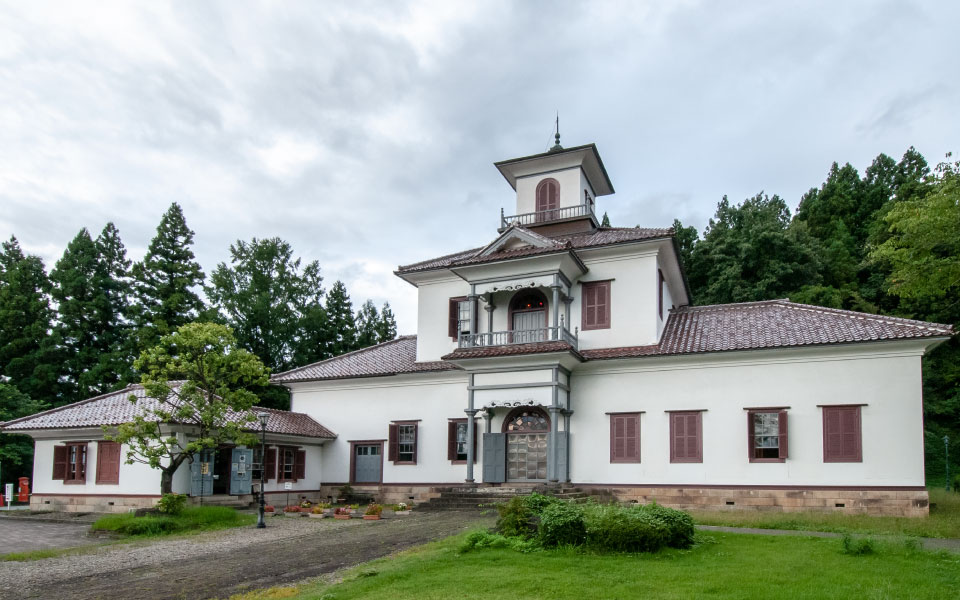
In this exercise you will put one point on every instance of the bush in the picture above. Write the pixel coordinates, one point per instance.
(856, 546)
(516, 519)
(612, 527)
(537, 502)
(172, 504)
(956, 483)
(561, 524)
(478, 540)
(680, 525)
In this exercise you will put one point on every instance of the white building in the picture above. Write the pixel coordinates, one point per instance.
(566, 353)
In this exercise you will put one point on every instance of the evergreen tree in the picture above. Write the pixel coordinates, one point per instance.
(26, 355)
(312, 343)
(387, 325)
(341, 331)
(606, 220)
(77, 326)
(16, 451)
(687, 238)
(367, 322)
(114, 367)
(164, 281)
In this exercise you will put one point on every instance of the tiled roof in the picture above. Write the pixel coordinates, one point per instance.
(770, 324)
(389, 358)
(116, 408)
(512, 350)
(604, 236)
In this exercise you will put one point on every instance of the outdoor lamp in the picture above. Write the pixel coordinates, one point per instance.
(262, 417)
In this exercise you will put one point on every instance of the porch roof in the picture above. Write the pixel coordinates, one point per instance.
(116, 408)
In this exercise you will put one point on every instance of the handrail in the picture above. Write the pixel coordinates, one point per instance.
(517, 336)
(545, 216)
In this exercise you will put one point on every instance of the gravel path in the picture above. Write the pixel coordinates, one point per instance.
(21, 535)
(218, 564)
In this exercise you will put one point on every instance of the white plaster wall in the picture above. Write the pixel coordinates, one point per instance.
(362, 409)
(667, 294)
(313, 469)
(888, 382)
(571, 189)
(136, 479)
(433, 307)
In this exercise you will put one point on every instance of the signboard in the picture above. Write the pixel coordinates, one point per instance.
(288, 486)
(8, 492)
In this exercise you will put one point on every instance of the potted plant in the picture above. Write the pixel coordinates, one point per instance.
(401, 508)
(342, 512)
(305, 503)
(316, 512)
(269, 508)
(373, 513)
(291, 511)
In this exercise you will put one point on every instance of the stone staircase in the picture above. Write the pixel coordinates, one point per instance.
(246, 501)
(479, 498)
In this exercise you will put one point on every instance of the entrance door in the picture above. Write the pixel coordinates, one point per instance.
(367, 461)
(527, 430)
(201, 474)
(241, 475)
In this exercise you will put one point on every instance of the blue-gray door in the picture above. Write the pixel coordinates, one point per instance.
(366, 463)
(494, 457)
(529, 326)
(241, 476)
(201, 474)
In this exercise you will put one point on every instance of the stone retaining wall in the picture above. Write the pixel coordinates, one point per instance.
(96, 504)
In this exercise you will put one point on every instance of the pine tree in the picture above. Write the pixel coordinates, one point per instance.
(606, 220)
(26, 355)
(164, 281)
(77, 325)
(340, 326)
(366, 321)
(114, 367)
(387, 326)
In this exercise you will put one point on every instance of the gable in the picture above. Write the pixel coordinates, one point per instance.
(517, 238)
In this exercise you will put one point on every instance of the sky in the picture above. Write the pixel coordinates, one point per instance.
(364, 133)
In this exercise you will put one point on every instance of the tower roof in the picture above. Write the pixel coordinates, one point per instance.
(586, 157)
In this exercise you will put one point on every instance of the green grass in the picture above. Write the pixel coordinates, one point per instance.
(730, 566)
(192, 519)
(943, 522)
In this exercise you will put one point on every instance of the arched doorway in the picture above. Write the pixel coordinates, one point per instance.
(527, 428)
(528, 317)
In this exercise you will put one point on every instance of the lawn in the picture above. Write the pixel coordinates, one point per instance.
(191, 519)
(727, 566)
(943, 522)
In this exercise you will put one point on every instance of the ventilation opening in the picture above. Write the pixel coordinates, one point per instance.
(840, 505)
(109, 503)
(730, 503)
(46, 502)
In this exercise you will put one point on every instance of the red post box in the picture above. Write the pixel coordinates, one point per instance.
(23, 494)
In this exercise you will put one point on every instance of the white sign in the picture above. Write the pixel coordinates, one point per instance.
(288, 486)
(9, 493)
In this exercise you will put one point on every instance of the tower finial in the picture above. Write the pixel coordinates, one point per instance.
(557, 147)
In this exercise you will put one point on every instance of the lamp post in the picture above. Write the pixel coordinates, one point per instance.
(946, 458)
(263, 463)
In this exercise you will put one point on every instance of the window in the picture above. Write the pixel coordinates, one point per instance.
(403, 443)
(256, 467)
(459, 317)
(548, 199)
(108, 463)
(292, 464)
(767, 435)
(841, 434)
(595, 305)
(660, 293)
(457, 441)
(625, 438)
(686, 444)
(70, 462)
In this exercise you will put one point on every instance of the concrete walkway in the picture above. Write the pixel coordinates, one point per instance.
(22, 535)
(951, 544)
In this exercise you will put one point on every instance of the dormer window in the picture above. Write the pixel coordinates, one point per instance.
(548, 199)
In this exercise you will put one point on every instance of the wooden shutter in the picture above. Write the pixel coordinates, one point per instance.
(60, 462)
(108, 462)
(81, 463)
(595, 305)
(850, 430)
(625, 438)
(416, 435)
(453, 315)
(685, 434)
(782, 421)
(300, 465)
(452, 440)
(841, 434)
(270, 464)
(660, 293)
(751, 450)
(392, 443)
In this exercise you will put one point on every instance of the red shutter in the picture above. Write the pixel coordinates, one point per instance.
(832, 435)
(392, 443)
(451, 440)
(685, 434)
(783, 434)
(693, 436)
(270, 464)
(300, 465)
(595, 306)
(632, 437)
(60, 462)
(453, 315)
(108, 462)
(751, 451)
(416, 435)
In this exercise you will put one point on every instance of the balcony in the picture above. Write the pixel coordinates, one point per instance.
(542, 217)
(514, 337)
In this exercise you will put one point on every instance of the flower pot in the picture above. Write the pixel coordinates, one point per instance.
(341, 517)
(316, 515)
(401, 512)
(371, 517)
(292, 514)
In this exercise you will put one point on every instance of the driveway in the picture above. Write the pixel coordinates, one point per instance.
(22, 535)
(219, 564)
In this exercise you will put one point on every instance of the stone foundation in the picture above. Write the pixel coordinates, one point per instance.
(911, 503)
(94, 504)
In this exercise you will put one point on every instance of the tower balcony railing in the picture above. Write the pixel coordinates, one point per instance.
(587, 209)
(518, 336)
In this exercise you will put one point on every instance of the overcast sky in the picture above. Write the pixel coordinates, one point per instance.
(364, 135)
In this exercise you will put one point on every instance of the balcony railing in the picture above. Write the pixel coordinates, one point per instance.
(546, 216)
(518, 336)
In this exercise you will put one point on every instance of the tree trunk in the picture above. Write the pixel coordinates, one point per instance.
(166, 481)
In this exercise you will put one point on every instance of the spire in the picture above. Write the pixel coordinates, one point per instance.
(557, 147)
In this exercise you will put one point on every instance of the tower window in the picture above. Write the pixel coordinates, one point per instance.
(548, 199)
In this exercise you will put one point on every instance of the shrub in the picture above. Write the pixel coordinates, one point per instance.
(612, 527)
(516, 519)
(478, 540)
(537, 502)
(856, 546)
(374, 509)
(291, 509)
(172, 504)
(561, 524)
(956, 483)
(268, 508)
(680, 525)
(317, 510)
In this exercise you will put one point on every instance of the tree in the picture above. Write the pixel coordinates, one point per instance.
(367, 325)
(197, 377)
(26, 353)
(164, 281)
(114, 366)
(387, 326)
(341, 331)
(16, 451)
(606, 220)
(265, 296)
(687, 238)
